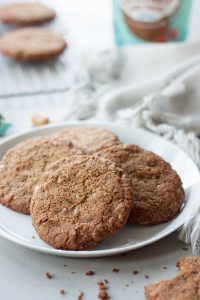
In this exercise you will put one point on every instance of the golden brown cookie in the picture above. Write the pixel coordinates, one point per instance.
(27, 13)
(32, 44)
(158, 191)
(184, 286)
(22, 166)
(90, 139)
(80, 201)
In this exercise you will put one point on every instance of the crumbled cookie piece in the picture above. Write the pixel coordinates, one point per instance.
(89, 273)
(115, 270)
(184, 286)
(80, 296)
(135, 272)
(103, 295)
(49, 275)
(62, 292)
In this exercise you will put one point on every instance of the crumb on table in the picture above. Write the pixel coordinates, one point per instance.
(49, 275)
(80, 296)
(103, 295)
(62, 292)
(115, 270)
(89, 273)
(135, 272)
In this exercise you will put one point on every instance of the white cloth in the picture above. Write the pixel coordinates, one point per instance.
(166, 102)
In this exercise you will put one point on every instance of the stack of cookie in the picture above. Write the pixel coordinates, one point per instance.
(30, 43)
(82, 185)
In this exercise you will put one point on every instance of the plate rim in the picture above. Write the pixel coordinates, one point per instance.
(90, 253)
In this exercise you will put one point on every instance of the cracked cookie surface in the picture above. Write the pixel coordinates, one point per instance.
(22, 166)
(158, 191)
(80, 201)
(90, 139)
(32, 44)
(25, 13)
(184, 286)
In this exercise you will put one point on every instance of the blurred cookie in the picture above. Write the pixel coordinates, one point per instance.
(32, 44)
(184, 286)
(22, 166)
(90, 139)
(25, 13)
(158, 191)
(80, 201)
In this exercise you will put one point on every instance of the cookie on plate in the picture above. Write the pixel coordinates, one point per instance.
(80, 201)
(158, 191)
(32, 44)
(90, 139)
(22, 166)
(27, 13)
(184, 286)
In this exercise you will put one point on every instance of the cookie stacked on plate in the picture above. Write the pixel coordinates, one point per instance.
(29, 43)
(82, 185)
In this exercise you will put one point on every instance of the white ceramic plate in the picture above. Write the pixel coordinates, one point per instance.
(18, 228)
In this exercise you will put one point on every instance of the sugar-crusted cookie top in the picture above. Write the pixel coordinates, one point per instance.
(32, 44)
(80, 201)
(25, 13)
(90, 139)
(157, 187)
(22, 166)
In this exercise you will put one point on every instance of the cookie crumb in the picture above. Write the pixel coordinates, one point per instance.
(73, 272)
(115, 270)
(135, 272)
(49, 275)
(185, 249)
(103, 295)
(165, 268)
(89, 273)
(127, 284)
(146, 276)
(65, 265)
(80, 296)
(33, 237)
(62, 292)
(106, 281)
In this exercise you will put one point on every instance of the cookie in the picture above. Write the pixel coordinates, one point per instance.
(25, 13)
(158, 191)
(80, 201)
(184, 286)
(22, 166)
(32, 44)
(90, 139)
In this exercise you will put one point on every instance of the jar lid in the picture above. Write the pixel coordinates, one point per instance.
(149, 11)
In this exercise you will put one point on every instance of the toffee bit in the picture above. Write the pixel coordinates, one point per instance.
(48, 275)
(80, 296)
(115, 270)
(89, 273)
